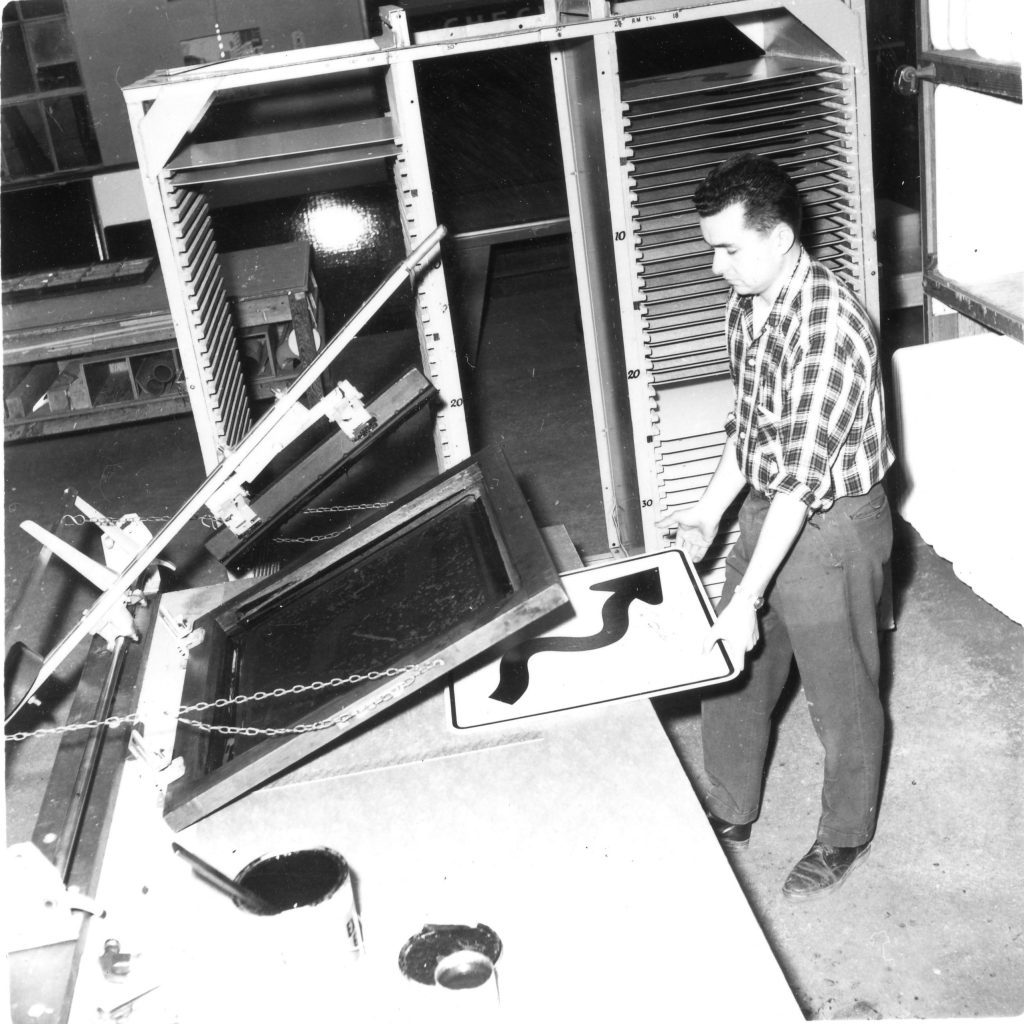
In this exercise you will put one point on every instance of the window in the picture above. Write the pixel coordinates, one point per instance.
(47, 127)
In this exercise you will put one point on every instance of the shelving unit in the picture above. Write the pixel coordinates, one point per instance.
(645, 92)
(205, 139)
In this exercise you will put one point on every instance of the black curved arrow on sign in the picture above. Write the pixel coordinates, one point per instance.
(641, 586)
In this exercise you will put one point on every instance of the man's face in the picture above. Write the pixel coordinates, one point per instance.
(750, 260)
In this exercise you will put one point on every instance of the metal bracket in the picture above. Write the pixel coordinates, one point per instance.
(118, 621)
(122, 540)
(182, 630)
(40, 910)
(231, 506)
(159, 766)
(344, 406)
(185, 644)
(113, 962)
(178, 626)
(906, 81)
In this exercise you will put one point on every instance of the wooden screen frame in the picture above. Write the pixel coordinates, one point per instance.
(534, 590)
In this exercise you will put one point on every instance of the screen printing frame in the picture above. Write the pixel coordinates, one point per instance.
(213, 777)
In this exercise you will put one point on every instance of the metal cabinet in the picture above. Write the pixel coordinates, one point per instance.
(275, 308)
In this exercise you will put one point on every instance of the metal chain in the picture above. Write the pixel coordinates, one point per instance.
(317, 538)
(313, 539)
(223, 702)
(211, 522)
(322, 509)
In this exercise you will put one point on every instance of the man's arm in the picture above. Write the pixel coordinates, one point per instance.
(696, 528)
(737, 624)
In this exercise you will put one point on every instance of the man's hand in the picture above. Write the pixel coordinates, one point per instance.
(737, 627)
(695, 531)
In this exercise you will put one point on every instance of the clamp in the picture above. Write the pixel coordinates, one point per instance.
(341, 405)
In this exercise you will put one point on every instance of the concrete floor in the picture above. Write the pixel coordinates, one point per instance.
(931, 926)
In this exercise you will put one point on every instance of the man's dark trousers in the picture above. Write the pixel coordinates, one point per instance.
(822, 608)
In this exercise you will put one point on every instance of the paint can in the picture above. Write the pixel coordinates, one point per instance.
(452, 973)
(156, 373)
(287, 963)
(306, 893)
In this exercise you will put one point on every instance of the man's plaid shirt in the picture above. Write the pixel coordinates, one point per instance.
(809, 418)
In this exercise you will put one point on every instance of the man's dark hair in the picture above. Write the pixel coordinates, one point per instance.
(766, 190)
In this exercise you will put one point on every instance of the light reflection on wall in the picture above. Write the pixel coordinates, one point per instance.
(335, 226)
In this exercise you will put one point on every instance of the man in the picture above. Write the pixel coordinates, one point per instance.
(807, 435)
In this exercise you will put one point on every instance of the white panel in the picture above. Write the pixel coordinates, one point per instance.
(120, 198)
(979, 150)
(594, 657)
(992, 28)
(957, 409)
(695, 408)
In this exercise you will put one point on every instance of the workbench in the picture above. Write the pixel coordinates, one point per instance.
(108, 355)
(576, 838)
(86, 349)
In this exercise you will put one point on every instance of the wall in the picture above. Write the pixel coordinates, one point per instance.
(121, 41)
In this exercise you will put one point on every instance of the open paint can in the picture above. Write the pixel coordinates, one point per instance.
(306, 889)
(283, 954)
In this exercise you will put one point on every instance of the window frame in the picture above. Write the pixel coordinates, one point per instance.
(40, 98)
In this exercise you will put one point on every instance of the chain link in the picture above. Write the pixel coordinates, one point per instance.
(211, 522)
(312, 539)
(413, 671)
(317, 538)
(322, 509)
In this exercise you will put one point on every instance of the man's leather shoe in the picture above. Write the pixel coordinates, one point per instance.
(822, 870)
(734, 837)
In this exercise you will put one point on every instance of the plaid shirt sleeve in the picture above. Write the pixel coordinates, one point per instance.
(809, 418)
(827, 380)
(734, 343)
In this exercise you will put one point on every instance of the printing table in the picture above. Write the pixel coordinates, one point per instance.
(577, 839)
